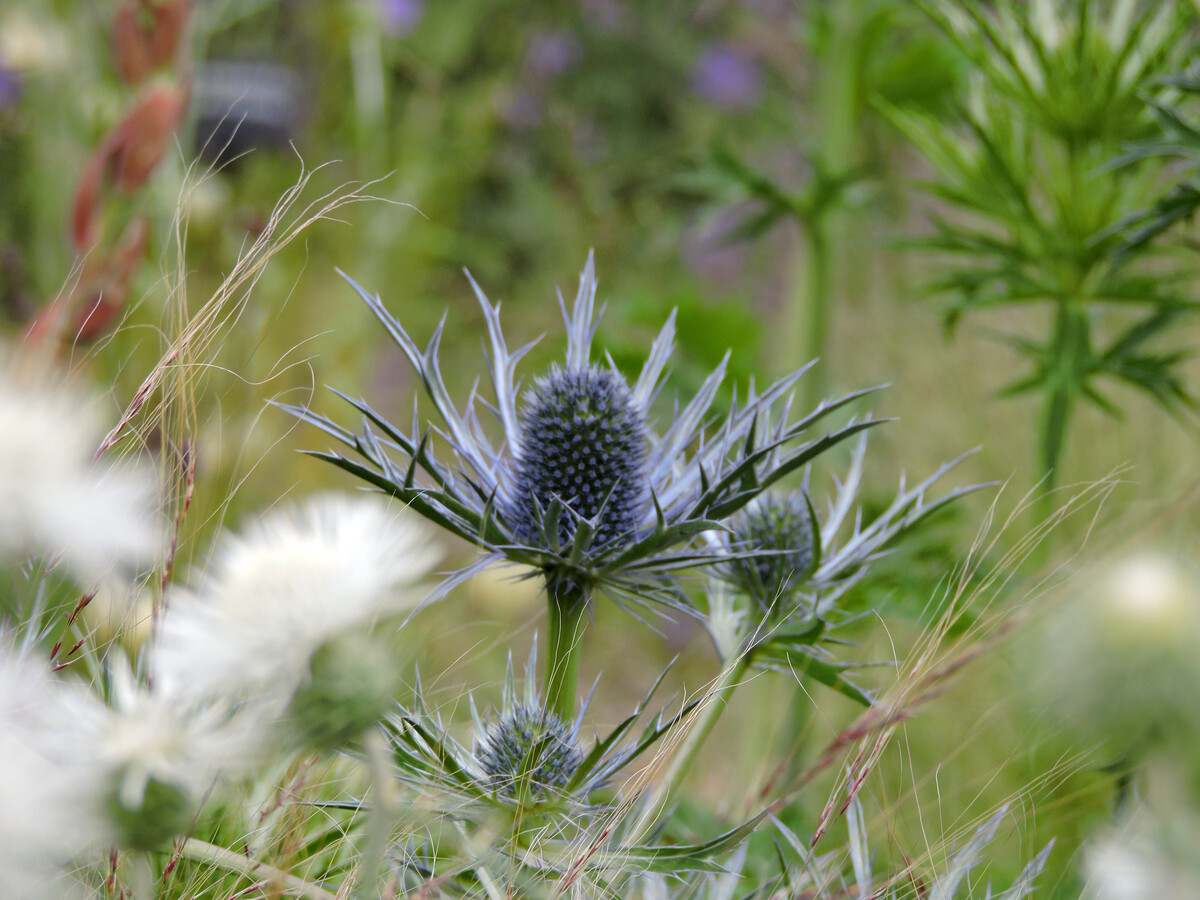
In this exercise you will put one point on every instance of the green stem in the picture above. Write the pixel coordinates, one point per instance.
(568, 607)
(202, 851)
(378, 815)
(804, 332)
(816, 336)
(141, 877)
(1070, 355)
(703, 720)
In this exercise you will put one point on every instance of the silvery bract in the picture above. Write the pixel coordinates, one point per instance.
(581, 486)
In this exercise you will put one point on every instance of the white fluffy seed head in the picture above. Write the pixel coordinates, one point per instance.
(1120, 659)
(1151, 856)
(275, 593)
(43, 823)
(52, 497)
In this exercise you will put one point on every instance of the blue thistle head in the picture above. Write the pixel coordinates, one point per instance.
(528, 752)
(781, 525)
(584, 444)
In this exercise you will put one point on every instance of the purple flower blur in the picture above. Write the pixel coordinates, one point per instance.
(10, 86)
(551, 53)
(400, 17)
(727, 77)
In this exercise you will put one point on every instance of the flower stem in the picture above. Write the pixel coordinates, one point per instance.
(567, 607)
(703, 720)
(203, 851)
(1067, 363)
(141, 877)
(818, 300)
(378, 816)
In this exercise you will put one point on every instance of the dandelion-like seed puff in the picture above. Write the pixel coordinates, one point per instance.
(41, 825)
(53, 498)
(288, 584)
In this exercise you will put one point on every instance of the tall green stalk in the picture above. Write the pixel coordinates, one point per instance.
(567, 607)
(815, 337)
(1069, 358)
(706, 717)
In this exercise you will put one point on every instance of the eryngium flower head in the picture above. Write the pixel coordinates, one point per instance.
(645, 494)
(774, 538)
(586, 448)
(528, 752)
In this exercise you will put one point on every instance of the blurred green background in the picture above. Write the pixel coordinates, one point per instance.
(511, 139)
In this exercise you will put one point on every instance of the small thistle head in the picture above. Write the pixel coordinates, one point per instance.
(528, 752)
(584, 445)
(778, 533)
(351, 687)
(162, 813)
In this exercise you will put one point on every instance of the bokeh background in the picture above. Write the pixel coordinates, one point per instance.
(512, 139)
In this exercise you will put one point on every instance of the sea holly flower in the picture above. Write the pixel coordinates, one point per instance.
(778, 544)
(775, 600)
(581, 486)
(541, 793)
(529, 749)
(525, 769)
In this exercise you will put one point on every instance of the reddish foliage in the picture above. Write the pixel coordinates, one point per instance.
(96, 300)
(146, 36)
(127, 156)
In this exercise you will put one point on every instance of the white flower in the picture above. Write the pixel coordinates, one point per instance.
(294, 580)
(1148, 858)
(155, 734)
(52, 496)
(1120, 659)
(41, 824)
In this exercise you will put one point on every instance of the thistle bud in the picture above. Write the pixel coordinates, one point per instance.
(528, 753)
(584, 445)
(162, 813)
(351, 686)
(775, 538)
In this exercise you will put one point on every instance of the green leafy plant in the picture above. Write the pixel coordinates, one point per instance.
(258, 733)
(1178, 142)
(852, 51)
(1027, 212)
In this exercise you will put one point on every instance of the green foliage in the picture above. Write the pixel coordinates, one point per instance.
(1178, 142)
(1034, 215)
(513, 138)
(853, 51)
